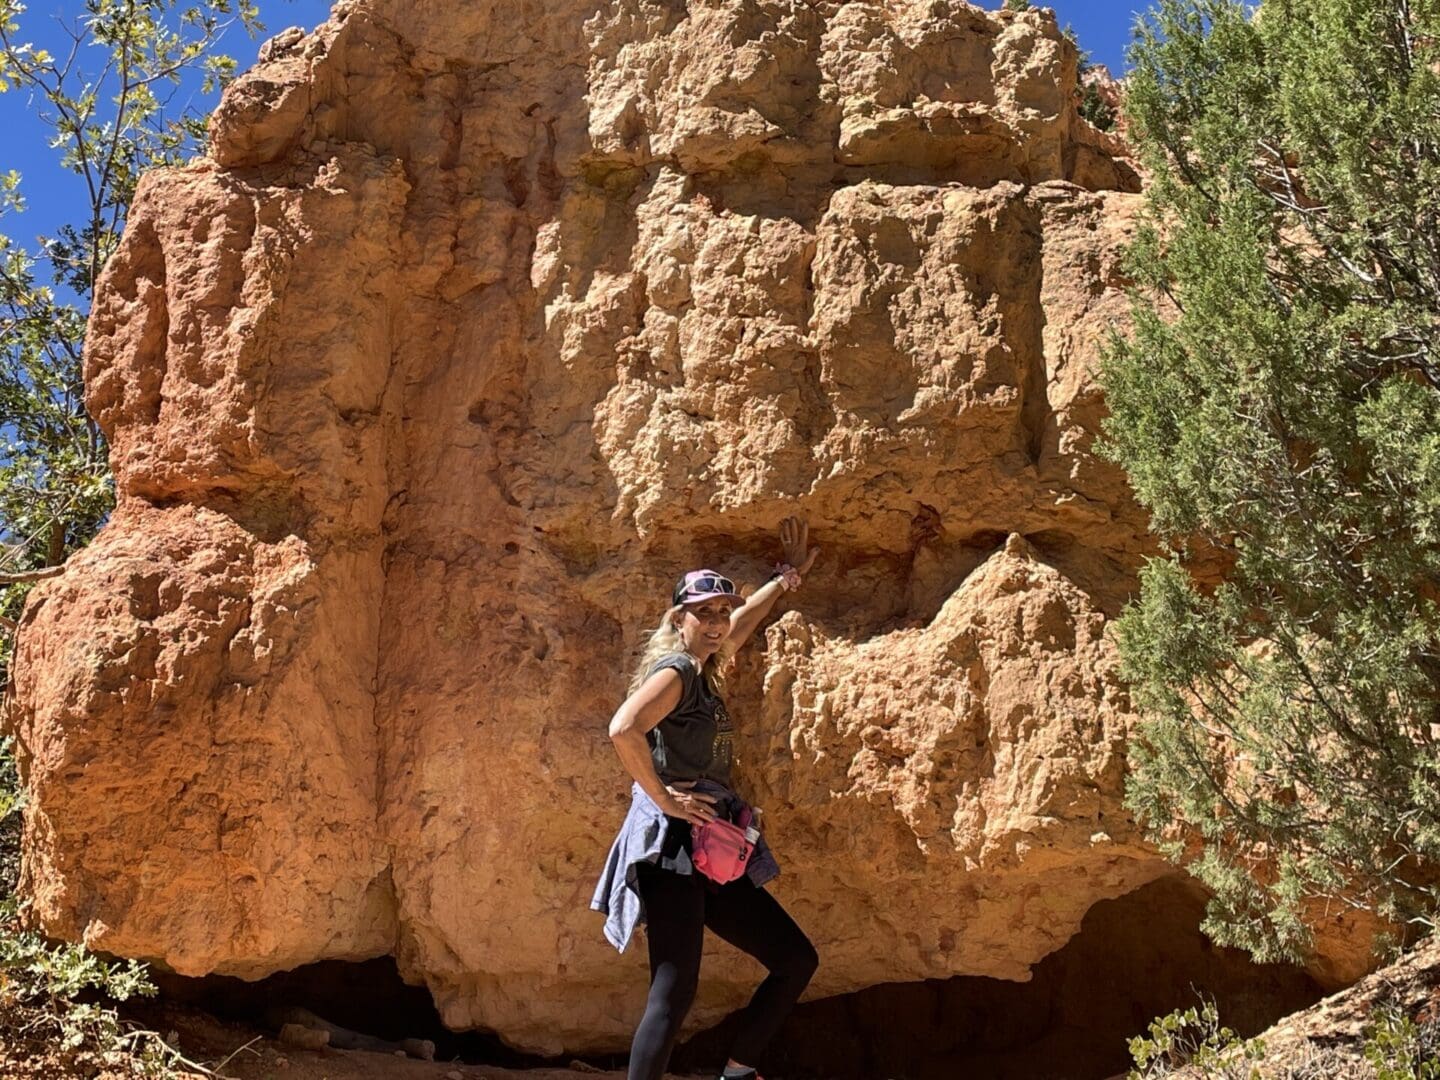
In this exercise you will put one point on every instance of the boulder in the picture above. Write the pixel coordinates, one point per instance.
(479, 325)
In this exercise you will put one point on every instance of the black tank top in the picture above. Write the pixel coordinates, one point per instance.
(695, 738)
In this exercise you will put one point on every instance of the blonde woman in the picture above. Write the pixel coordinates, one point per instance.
(674, 737)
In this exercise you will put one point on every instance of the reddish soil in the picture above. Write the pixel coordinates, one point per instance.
(246, 1054)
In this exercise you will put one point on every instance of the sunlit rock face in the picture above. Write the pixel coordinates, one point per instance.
(480, 324)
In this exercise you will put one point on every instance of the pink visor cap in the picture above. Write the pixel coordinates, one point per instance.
(700, 585)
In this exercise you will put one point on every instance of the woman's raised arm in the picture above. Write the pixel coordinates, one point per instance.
(799, 556)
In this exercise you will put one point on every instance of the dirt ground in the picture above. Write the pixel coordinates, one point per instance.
(246, 1054)
(1321, 1042)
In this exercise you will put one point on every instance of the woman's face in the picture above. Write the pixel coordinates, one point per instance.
(704, 627)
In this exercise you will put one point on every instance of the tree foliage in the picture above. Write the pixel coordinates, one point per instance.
(1278, 401)
(108, 98)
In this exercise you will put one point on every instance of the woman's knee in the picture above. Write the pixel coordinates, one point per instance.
(681, 1000)
(671, 995)
(800, 962)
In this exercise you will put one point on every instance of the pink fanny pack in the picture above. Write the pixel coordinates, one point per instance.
(720, 850)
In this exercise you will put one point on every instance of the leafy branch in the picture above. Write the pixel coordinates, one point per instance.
(132, 108)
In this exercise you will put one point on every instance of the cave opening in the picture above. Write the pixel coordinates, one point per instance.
(368, 997)
(1134, 958)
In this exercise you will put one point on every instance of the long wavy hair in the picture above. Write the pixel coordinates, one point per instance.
(664, 640)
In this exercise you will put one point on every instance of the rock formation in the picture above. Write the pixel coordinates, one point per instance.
(480, 324)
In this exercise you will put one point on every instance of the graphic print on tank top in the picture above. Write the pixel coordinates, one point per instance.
(722, 750)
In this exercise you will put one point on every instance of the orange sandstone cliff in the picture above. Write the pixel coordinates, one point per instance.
(480, 323)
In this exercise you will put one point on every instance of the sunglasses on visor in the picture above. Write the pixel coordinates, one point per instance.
(703, 586)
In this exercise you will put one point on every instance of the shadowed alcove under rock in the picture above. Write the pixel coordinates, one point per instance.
(1134, 958)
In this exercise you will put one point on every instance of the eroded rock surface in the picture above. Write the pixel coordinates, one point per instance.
(482, 323)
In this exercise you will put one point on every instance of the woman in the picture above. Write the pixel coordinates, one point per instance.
(675, 738)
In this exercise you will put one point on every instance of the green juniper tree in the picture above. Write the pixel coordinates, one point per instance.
(106, 97)
(1278, 402)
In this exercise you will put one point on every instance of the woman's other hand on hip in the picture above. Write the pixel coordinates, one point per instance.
(693, 806)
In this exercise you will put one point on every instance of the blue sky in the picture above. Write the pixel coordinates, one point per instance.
(1103, 28)
(52, 193)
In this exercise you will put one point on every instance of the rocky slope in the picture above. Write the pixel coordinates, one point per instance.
(483, 322)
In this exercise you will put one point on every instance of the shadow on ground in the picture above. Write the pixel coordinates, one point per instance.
(1134, 958)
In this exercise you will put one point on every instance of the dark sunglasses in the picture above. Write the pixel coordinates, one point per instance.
(703, 585)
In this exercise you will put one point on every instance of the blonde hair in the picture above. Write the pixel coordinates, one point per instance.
(664, 640)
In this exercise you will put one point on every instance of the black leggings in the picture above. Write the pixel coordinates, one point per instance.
(678, 907)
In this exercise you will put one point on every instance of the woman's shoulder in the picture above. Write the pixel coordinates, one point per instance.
(679, 661)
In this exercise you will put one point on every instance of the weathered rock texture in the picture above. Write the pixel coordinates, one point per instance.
(483, 322)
